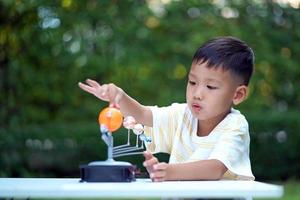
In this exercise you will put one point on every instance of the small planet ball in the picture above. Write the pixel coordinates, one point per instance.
(129, 122)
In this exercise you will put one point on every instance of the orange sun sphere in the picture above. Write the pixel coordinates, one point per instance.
(112, 118)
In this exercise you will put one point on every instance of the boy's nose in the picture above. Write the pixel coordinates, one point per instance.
(198, 94)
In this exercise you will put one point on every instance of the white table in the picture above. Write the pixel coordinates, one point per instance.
(141, 188)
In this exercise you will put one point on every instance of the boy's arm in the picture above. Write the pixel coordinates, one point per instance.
(198, 170)
(141, 113)
(117, 97)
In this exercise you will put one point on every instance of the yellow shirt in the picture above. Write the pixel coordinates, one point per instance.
(174, 132)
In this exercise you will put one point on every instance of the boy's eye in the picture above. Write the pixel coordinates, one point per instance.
(192, 83)
(211, 87)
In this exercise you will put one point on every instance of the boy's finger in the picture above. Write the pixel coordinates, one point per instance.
(147, 155)
(93, 83)
(113, 105)
(86, 88)
(160, 166)
(158, 175)
(117, 100)
(112, 95)
(150, 162)
(158, 180)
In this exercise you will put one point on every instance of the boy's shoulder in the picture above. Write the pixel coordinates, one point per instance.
(234, 120)
(236, 115)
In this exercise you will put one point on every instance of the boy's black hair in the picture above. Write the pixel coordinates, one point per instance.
(229, 53)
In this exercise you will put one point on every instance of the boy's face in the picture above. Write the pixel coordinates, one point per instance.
(211, 92)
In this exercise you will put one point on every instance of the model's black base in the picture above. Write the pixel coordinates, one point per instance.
(107, 173)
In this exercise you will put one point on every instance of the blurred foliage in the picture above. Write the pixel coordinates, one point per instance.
(48, 126)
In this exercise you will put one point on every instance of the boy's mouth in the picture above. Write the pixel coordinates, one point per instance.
(196, 107)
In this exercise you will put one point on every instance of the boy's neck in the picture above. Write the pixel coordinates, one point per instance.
(203, 131)
(205, 127)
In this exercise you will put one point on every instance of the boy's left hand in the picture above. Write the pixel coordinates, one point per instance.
(157, 171)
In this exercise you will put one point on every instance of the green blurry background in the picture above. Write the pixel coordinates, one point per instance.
(48, 126)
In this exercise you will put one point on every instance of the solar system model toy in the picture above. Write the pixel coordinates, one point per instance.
(111, 119)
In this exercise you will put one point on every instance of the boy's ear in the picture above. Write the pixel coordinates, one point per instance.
(240, 95)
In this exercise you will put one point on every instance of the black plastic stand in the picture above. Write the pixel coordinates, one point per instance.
(107, 172)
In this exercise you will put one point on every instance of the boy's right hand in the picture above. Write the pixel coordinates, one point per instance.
(149, 162)
(158, 171)
(105, 92)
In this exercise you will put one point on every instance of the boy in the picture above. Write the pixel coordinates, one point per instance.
(206, 138)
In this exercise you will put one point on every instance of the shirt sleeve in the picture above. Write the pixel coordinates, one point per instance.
(232, 150)
(164, 128)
